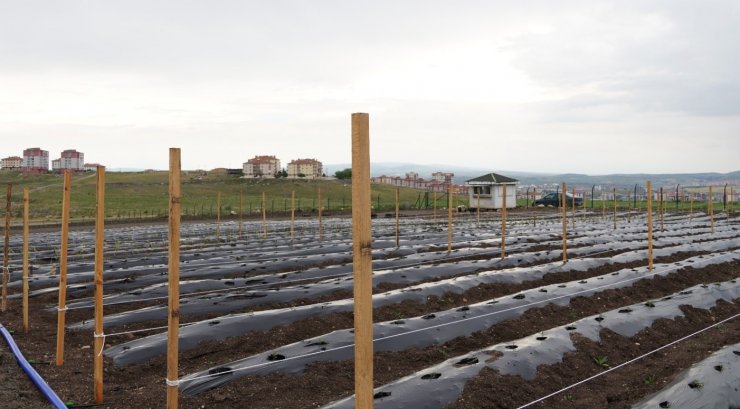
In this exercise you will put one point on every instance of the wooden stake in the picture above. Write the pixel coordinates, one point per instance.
(503, 222)
(629, 211)
(398, 215)
(25, 258)
(362, 261)
(434, 220)
(99, 236)
(662, 211)
(321, 220)
(264, 216)
(691, 207)
(534, 212)
(614, 193)
(477, 210)
(218, 215)
(711, 208)
(603, 209)
(173, 280)
(6, 247)
(449, 219)
(241, 213)
(61, 311)
(292, 215)
(565, 224)
(650, 224)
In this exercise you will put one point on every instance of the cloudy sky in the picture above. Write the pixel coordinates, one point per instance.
(550, 86)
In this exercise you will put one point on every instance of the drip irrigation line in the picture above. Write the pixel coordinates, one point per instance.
(570, 295)
(629, 362)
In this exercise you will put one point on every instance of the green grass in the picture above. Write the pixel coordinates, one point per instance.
(145, 194)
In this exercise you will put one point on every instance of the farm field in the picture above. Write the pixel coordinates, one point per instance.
(266, 321)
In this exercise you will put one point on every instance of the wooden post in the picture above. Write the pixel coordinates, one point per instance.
(292, 215)
(321, 220)
(362, 261)
(565, 224)
(650, 225)
(241, 213)
(6, 246)
(398, 215)
(449, 219)
(534, 212)
(614, 193)
(434, 217)
(503, 222)
(264, 216)
(99, 236)
(218, 215)
(629, 211)
(173, 281)
(61, 309)
(477, 209)
(25, 258)
(691, 207)
(661, 210)
(710, 202)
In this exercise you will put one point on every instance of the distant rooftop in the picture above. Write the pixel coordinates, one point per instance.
(489, 178)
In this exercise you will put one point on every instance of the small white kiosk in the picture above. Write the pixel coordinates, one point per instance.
(488, 191)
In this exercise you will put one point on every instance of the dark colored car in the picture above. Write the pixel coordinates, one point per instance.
(553, 199)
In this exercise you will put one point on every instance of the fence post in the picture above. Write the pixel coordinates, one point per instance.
(650, 224)
(503, 222)
(61, 309)
(173, 280)
(292, 215)
(99, 236)
(6, 246)
(321, 220)
(362, 261)
(241, 213)
(397, 214)
(449, 219)
(218, 216)
(565, 224)
(434, 211)
(264, 216)
(614, 193)
(711, 208)
(25, 258)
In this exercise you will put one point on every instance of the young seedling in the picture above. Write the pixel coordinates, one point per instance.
(602, 361)
(649, 380)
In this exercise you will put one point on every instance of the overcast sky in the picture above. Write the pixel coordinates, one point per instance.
(551, 86)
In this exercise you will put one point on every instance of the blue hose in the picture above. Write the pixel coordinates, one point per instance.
(50, 395)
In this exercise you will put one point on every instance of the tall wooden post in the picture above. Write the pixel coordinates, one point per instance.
(691, 207)
(614, 193)
(650, 224)
(25, 258)
(449, 219)
(661, 210)
(173, 280)
(6, 246)
(292, 215)
(603, 207)
(264, 216)
(534, 213)
(710, 202)
(565, 223)
(61, 309)
(241, 213)
(99, 243)
(503, 221)
(477, 209)
(321, 220)
(434, 214)
(398, 215)
(218, 215)
(362, 261)
(629, 211)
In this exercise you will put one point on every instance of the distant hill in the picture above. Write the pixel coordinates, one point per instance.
(621, 179)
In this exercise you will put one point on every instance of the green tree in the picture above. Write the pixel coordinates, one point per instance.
(343, 174)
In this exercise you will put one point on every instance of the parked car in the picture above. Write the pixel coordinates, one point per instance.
(553, 199)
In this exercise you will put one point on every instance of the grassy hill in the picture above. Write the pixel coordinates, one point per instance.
(145, 195)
